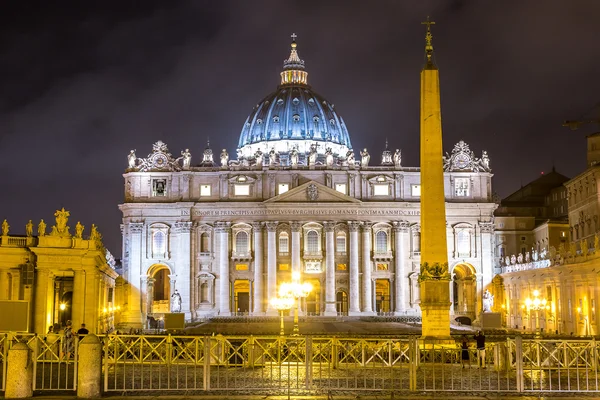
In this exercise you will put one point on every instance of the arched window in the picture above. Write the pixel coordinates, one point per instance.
(340, 243)
(241, 242)
(204, 243)
(159, 244)
(381, 241)
(463, 243)
(284, 242)
(312, 242)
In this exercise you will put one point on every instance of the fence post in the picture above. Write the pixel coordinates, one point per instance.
(412, 365)
(89, 373)
(19, 375)
(308, 362)
(207, 357)
(105, 360)
(519, 362)
(594, 355)
(334, 353)
(251, 351)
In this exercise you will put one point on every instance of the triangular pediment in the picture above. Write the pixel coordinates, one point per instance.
(312, 192)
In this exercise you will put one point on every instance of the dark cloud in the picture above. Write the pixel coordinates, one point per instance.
(84, 82)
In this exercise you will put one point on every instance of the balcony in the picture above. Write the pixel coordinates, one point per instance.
(382, 255)
(241, 255)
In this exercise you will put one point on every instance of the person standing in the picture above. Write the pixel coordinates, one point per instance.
(465, 358)
(480, 339)
(68, 344)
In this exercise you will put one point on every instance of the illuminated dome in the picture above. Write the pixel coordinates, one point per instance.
(294, 116)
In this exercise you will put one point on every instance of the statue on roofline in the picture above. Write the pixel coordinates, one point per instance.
(224, 158)
(131, 159)
(5, 228)
(29, 229)
(365, 157)
(42, 228)
(79, 230)
(397, 158)
(187, 159)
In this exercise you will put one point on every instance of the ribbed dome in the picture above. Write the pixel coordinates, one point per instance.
(294, 116)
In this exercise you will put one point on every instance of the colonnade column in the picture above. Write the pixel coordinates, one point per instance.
(367, 284)
(258, 269)
(77, 300)
(224, 229)
(296, 263)
(330, 309)
(271, 266)
(3, 285)
(354, 294)
(41, 315)
(132, 317)
(400, 232)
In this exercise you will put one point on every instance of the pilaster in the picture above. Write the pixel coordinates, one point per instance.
(330, 309)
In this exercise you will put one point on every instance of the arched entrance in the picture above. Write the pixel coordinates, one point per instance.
(341, 300)
(159, 289)
(241, 292)
(382, 296)
(464, 290)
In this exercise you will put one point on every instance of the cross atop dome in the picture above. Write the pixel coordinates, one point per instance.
(293, 67)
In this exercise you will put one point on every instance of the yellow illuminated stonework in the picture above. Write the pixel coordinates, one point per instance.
(434, 278)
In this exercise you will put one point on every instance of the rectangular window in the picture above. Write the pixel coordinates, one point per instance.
(241, 267)
(381, 190)
(241, 190)
(284, 244)
(340, 244)
(415, 190)
(159, 187)
(340, 187)
(282, 188)
(461, 187)
(204, 190)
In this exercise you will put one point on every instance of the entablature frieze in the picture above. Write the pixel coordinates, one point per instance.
(304, 211)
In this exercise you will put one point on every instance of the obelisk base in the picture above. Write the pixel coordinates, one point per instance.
(435, 309)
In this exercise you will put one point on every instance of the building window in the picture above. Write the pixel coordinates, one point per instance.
(241, 267)
(463, 243)
(340, 243)
(282, 188)
(461, 187)
(159, 244)
(340, 187)
(415, 190)
(159, 187)
(312, 242)
(342, 267)
(284, 267)
(284, 243)
(296, 118)
(381, 241)
(381, 189)
(241, 190)
(204, 190)
(241, 242)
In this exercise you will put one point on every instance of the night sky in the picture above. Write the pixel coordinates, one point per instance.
(83, 82)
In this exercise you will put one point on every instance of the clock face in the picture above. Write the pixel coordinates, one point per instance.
(461, 161)
(160, 160)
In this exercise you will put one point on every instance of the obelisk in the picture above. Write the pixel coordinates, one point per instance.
(434, 278)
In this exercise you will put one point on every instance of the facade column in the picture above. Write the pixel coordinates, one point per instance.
(42, 316)
(296, 263)
(271, 265)
(330, 309)
(149, 295)
(132, 315)
(224, 229)
(184, 263)
(367, 284)
(486, 255)
(78, 301)
(3, 285)
(354, 295)
(400, 256)
(257, 292)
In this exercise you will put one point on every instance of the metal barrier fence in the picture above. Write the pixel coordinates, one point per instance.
(272, 365)
(51, 369)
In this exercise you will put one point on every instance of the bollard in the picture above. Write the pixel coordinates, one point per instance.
(89, 369)
(19, 375)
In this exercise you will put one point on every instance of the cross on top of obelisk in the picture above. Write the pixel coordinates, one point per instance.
(293, 36)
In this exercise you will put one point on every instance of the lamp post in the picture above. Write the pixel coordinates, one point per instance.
(281, 304)
(295, 290)
(536, 304)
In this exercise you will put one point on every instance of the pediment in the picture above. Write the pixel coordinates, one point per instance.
(312, 192)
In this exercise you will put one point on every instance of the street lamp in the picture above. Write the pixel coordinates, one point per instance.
(295, 290)
(281, 304)
(536, 304)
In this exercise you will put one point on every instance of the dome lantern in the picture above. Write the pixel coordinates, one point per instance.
(293, 68)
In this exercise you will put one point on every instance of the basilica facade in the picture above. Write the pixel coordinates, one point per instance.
(219, 236)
